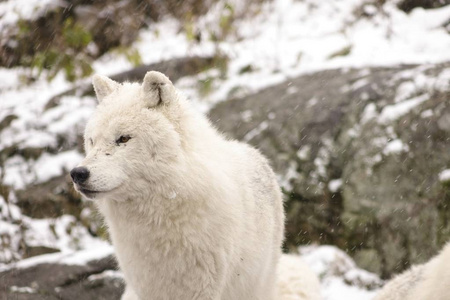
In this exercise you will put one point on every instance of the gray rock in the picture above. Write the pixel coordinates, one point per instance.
(60, 281)
(358, 153)
(408, 5)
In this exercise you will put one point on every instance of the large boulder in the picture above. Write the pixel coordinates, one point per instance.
(358, 153)
(87, 275)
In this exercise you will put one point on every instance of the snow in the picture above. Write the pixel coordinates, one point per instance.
(54, 233)
(405, 90)
(20, 173)
(28, 104)
(247, 115)
(22, 289)
(339, 275)
(418, 82)
(106, 274)
(49, 166)
(304, 152)
(13, 10)
(256, 131)
(444, 176)
(66, 117)
(393, 112)
(321, 162)
(288, 38)
(427, 114)
(394, 147)
(290, 174)
(335, 185)
(63, 234)
(82, 257)
(9, 235)
(337, 289)
(79, 258)
(369, 113)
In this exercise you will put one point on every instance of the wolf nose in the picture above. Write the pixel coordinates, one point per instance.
(79, 174)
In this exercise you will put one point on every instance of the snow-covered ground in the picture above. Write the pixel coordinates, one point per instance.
(287, 38)
(340, 277)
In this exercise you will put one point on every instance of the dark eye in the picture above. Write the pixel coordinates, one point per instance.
(91, 141)
(123, 139)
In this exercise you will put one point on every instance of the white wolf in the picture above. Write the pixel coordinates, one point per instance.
(191, 214)
(430, 281)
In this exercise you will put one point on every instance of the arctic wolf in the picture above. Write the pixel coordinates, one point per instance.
(191, 214)
(430, 281)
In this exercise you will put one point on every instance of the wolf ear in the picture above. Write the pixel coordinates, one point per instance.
(103, 86)
(157, 88)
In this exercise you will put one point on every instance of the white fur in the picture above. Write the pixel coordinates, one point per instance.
(295, 280)
(191, 214)
(428, 281)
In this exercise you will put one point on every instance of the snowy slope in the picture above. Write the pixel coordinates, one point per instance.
(287, 38)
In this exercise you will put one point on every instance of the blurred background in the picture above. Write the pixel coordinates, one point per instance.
(349, 99)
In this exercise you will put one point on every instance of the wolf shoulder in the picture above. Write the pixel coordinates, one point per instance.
(253, 171)
(436, 278)
(422, 282)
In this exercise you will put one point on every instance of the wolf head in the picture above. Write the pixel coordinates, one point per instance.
(132, 139)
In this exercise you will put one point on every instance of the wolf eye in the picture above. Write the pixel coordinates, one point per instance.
(123, 139)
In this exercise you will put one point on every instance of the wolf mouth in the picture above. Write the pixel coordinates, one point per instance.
(88, 193)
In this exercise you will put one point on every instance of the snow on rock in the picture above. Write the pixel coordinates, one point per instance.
(337, 289)
(81, 257)
(369, 113)
(12, 11)
(340, 277)
(304, 152)
(444, 176)
(27, 104)
(290, 174)
(23, 289)
(9, 242)
(335, 185)
(63, 233)
(50, 166)
(256, 131)
(19, 173)
(427, 113)
(106, 274)
(393, 112)
(394, 147)
(10, 231)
